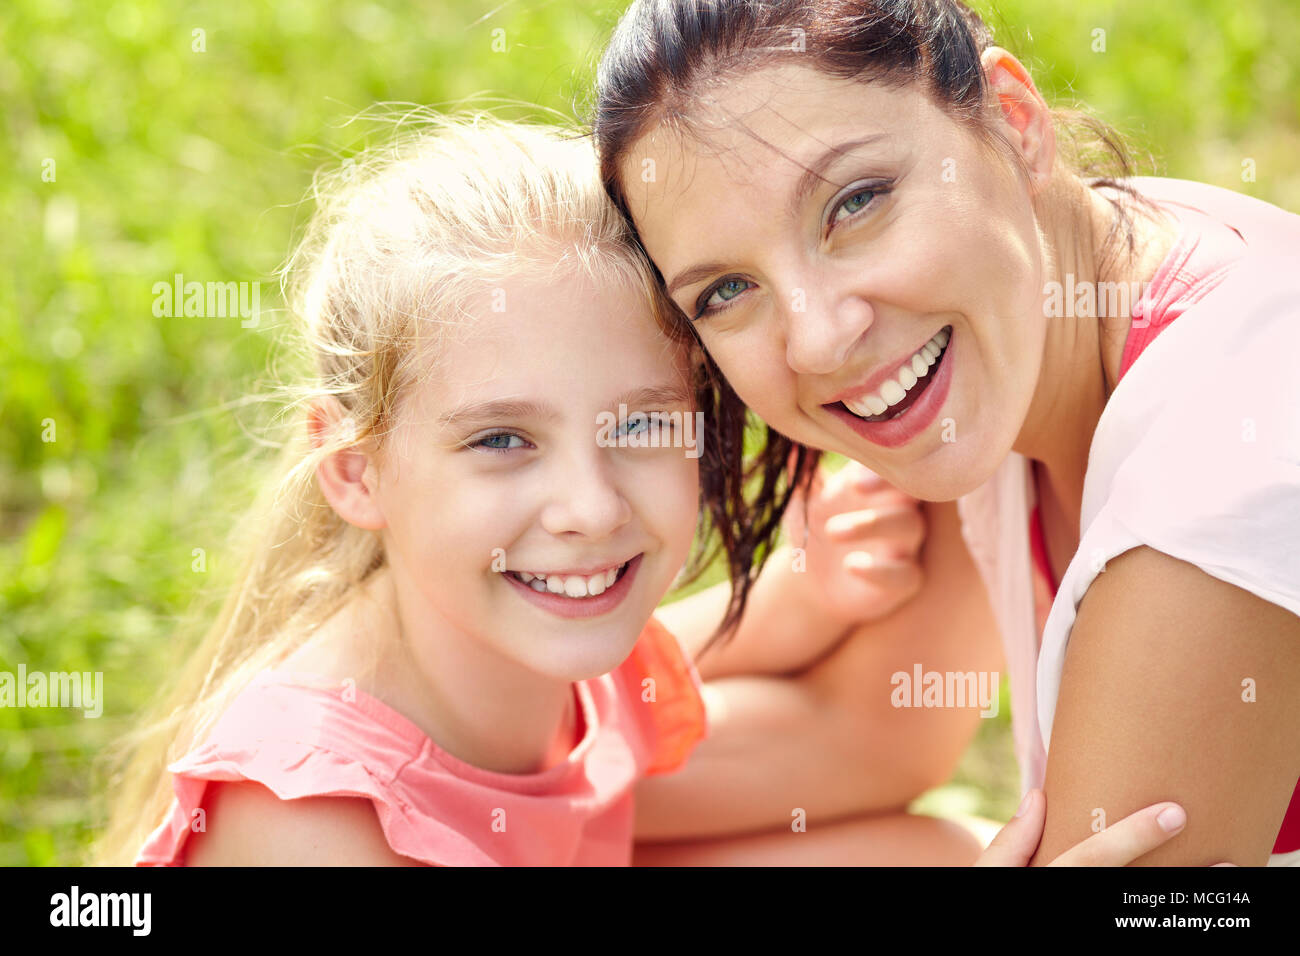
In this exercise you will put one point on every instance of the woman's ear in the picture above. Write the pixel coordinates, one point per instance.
(347, 477)
(1026, 118)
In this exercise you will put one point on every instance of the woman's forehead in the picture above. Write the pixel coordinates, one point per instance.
(773, 122)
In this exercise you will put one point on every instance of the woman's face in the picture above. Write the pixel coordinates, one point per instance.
(824, 296)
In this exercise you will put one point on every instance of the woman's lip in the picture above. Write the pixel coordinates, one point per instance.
(878, 377)
(899, 431)
(568, 607)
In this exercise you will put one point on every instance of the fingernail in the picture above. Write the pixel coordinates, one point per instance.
(1225, 864)
(1024, 804)
(1171, 819)
(859, 560)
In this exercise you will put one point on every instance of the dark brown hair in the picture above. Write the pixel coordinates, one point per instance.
(662, 55)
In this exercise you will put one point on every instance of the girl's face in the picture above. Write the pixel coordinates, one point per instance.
(848, 253)
(517, 460)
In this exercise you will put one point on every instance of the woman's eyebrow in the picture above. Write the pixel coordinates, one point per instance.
(694, 274)
(814, 173)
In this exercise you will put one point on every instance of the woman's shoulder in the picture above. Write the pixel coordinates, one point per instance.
(1265, 227)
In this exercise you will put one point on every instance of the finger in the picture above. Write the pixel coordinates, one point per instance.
(1016, 842)
(1123, 842)
(889, 580)
(901, 527)
(875, 565)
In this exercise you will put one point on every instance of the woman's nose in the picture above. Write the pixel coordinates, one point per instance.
(821, 335)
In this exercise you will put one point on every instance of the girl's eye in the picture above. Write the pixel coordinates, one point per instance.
(643, 423)
(635, 425)
(499, 442)
(719, 295)
(853, 203)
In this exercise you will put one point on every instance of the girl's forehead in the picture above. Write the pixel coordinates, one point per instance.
(559, 333)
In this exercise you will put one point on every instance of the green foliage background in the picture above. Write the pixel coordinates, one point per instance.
(170, 159)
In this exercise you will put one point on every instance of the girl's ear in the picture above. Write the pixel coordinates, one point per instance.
(346, 477)
(1026, 118)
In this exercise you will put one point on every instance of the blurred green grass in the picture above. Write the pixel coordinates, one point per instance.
(167, 159)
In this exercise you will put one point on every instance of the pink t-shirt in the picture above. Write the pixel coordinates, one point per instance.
(299, 735)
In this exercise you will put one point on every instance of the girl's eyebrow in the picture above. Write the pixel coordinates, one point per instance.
(651, 396)
(813, 173)
(479, 414)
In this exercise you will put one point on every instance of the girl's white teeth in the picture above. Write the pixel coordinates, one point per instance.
(894, 390)
(572, 585)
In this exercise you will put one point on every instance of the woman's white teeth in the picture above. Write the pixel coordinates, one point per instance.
(572, 585)
(895, 389)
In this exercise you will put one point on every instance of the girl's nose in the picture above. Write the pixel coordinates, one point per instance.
(820, 338)
(587, 500)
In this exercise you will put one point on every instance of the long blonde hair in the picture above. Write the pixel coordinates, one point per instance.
(396, 244)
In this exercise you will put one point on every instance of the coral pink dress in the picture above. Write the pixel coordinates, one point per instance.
(301, 736)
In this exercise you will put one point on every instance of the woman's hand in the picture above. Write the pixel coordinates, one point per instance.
(861, 554)
(1118, 845)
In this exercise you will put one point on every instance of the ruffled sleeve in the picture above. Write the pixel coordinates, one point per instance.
(665, 692)
(306, 741)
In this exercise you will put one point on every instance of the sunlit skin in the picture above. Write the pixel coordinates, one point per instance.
(801, 297)
(814, 293)
(461, 490)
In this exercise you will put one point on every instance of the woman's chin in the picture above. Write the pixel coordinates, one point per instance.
(946, 474)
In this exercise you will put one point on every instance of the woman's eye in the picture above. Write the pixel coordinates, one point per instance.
(499, 442)
(853, 203)
(722, 293)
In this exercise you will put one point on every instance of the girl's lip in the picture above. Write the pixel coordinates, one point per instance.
(899, 431)
(568, 607)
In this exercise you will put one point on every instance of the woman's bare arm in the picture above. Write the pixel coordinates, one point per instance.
(1177, 686)
(829, 740)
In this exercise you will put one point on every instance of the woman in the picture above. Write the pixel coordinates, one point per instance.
(862, 211)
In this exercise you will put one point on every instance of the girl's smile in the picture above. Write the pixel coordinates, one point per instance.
(575, 594)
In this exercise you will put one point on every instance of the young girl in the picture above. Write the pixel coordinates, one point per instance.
(441, 650)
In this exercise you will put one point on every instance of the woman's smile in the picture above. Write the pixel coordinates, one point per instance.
(911, 401)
